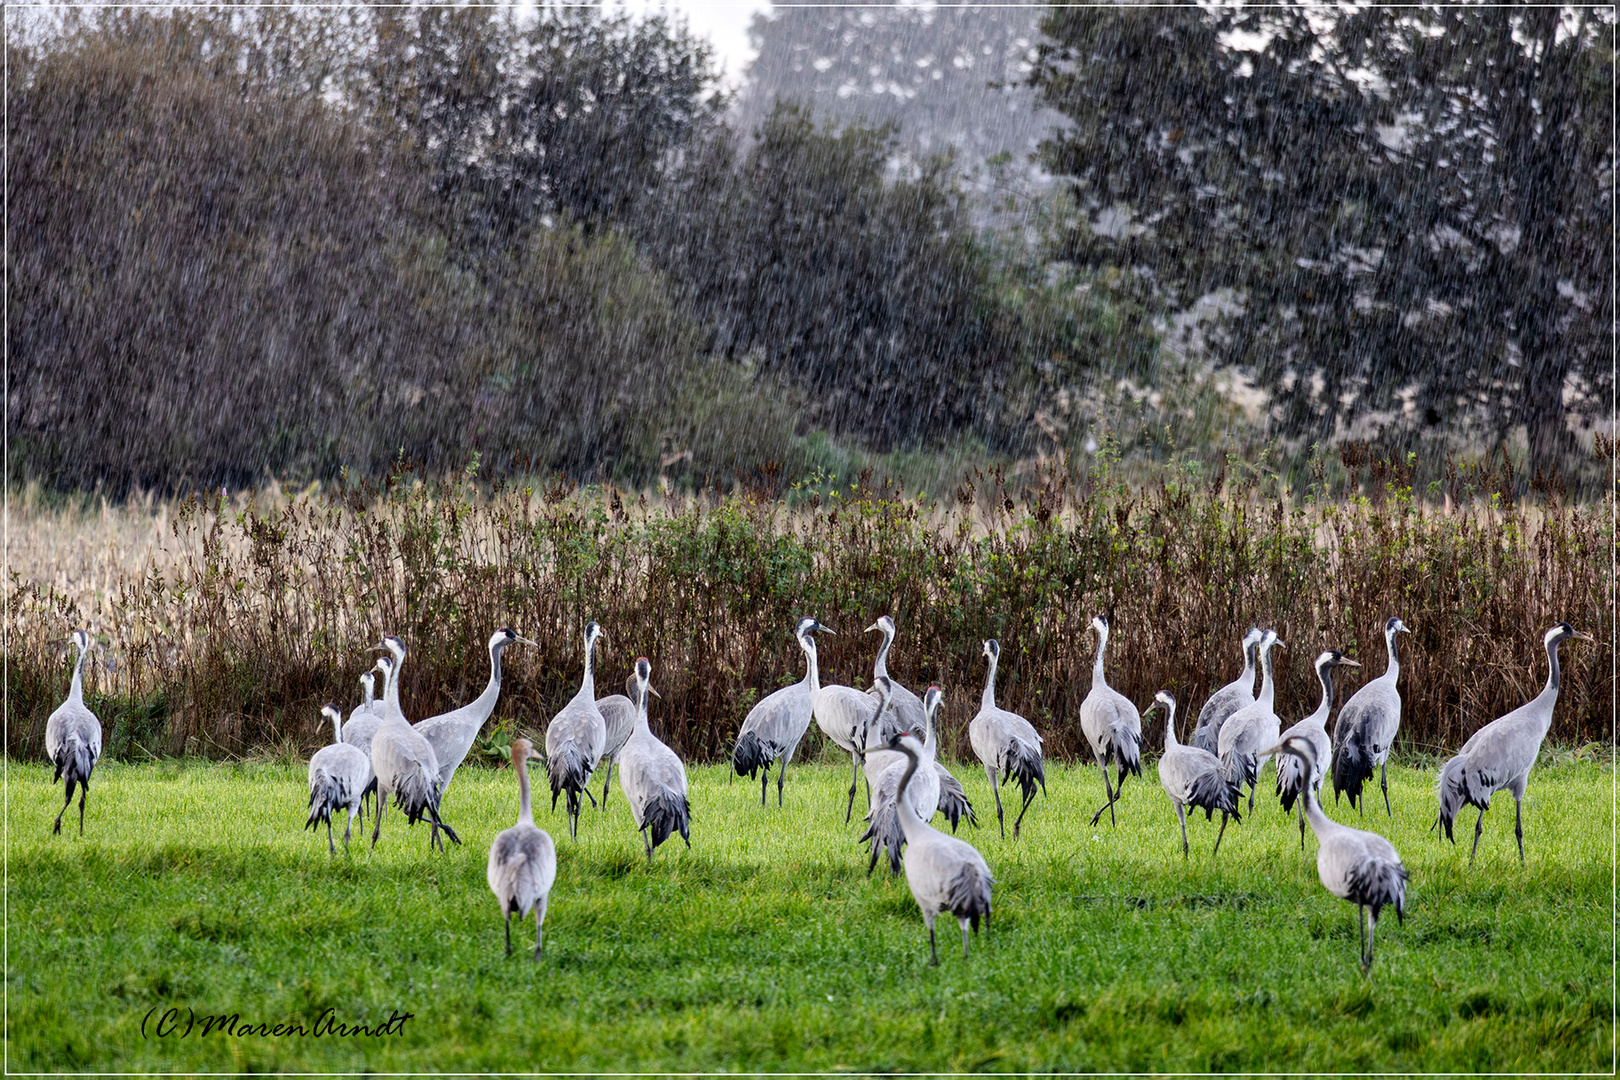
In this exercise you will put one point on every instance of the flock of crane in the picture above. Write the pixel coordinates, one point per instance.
(890, 734)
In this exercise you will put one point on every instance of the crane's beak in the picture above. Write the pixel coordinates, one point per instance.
(871, 628)
(381, 646)
(526, 641)
(1280, 643)
(1401, 629)
(1347, 662)
(602, 637)
(1584, 636)
(826, 630)
(654, 693)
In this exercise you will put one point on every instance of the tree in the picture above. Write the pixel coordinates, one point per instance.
(1413, 203)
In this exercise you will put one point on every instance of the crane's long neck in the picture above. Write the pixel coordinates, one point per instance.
(587, 687)
(76, 691)
(1392, 672)
(1170, 729)
(371, 690)
(485, 703)
(910, 823)
(641, 712)
(1268, 688)
(391, 692)
(930, 739)
(1549, 693)
(880, 666)
(1247, 677)
(988, 700)
(525, 812)
(337, 729)
(1324, 675)
(1097, 664)
(1321, 824)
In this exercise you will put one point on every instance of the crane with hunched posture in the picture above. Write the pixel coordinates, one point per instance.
(339, 777)
(652, 775)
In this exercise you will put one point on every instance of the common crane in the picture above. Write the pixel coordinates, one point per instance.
(1228, 699)
(653, 778)
(575, 738)
(1249, 731)
(73, 738)
(1500, 754)
(946, 875)
(619, 717)
(1354, 865)
(367, 717)
(1367, 727)
(1291, 775)
(1111, 725)
(772, 729)
(452, 734)
(884, 830)
(404, 763)
(523, 860)
(1193, 777)
(339, 776)
(1005, 742)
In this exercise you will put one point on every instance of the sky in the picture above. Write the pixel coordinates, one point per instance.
(723, 22)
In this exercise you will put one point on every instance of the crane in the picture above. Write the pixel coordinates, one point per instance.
(1111, 725)
(1354, 865)
(523, 860)
(773, 727)
(1005, 742)
(653, 778)
(452, 734)
(1291, 775)
(73, 737)
(1367, 727)
(1251, 729)
(403, 761)
(884, 830)
(619, 717)
(339, 776)
(575, 738)
(367, 717)
(1192, 776)
(1500, 754)
(1228, 699)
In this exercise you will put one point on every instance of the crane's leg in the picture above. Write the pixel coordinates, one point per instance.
(932, 948)
(1302, 825)
(348, 827)
(647, 840)
(1109, 805)
(996, 791)
(1119, 789)
(586, 788)
(854, 782)
(1518, 819)
(509, 930)
(539, 922)
(1181, 815)
(84, 789)
(67, 802)
(964, 925)
(329, 845)
(764, 778)
(1383, 782)
(1478, 825)
(1361, 924)
(781, 775)
(1372, 933)
(1017, 824)
(376, 818)
(1218, 835)
(606, 784)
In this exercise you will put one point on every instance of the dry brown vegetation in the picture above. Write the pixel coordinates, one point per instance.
(227, 622)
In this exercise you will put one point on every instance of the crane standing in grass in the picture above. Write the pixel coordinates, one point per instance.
(339, 777)
(1292, 777)
(1367, 727)
(1111, 725)
(1247, 732)
(884, 830)
(73, 738)
(1500, 754)
(367, 717)
(772, 729)
(1228, 699)
(1006, 743)
(946, 875)
(653, 778)
(1354, 865)
(523, 860)
(452, 734)
(1194, 777)
(404, 762)
(575, 738)
(619, 716)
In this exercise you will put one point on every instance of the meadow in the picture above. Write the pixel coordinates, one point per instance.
(767, 947)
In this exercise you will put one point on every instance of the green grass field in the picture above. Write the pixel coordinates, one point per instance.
(766, 946)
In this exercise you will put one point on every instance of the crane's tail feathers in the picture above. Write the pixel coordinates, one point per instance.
(666, 813)
(1241, 769)
(968, 895)
(568, 772)
(1025, 765)
(416, 793)
(750, 755)
(1461, 785)
(1352, 767)
(1377, 883)
(1211, 792)
(885, 834)
(1127, 744)
(75, 760)
(1291, 780)
(325, 796)
(953, 800)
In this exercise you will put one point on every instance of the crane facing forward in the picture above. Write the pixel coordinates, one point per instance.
(1354, 865)
(1006, 743)
(1111, 725)
(73, 738)
(772, 729)
(653, 778)
(1367, 727)
(575, 738)
(1499, 755)
(1193, 777)
(523, 860)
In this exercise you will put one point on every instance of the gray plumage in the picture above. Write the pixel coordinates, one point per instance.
(772, 729)
(1193, 777)
(73, 738)
(1500, 754)
(1292, 775)
(1354, 865)
(339, 776)
(953, 800)
(1112, 725)
(1247, 733)
(1228, 699)
(946, 875)
(523, 860)
(1005, 743)
(575, 739)
(1367, 727)
(653, 778)
(452, 734)
(845, 715)
(883, 831)
(619, 717)
(404, 763)
(367, 717)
